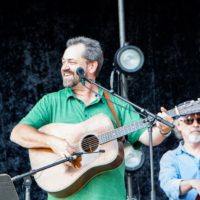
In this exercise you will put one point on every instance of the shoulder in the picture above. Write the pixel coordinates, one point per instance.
(63, 93)
(170, 155)
(53, 97)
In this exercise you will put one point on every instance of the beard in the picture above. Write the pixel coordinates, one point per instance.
(194, 139)
(70, 82)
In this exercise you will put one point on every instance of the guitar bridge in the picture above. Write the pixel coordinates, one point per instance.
(77, 162)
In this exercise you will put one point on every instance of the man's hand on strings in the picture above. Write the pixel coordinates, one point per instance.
(164, 130)
(61, 147)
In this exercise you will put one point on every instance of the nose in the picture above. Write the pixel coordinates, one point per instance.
(195, 123)
(65, 66)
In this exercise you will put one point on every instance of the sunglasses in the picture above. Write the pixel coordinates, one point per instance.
(190, 120)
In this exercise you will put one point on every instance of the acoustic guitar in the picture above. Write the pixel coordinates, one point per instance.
(90, 136)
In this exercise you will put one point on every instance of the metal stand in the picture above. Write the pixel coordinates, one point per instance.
(27, 176)
(142, 111)
(134, 159)
(124, 93)
(27, 183)
(130, 195)
(153, 196)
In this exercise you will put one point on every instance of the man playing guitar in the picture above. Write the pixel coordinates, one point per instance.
(72, 120)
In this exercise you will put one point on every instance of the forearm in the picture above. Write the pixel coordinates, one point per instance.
(171, 187)
(185, 186)
(157, 137)
(29, 137)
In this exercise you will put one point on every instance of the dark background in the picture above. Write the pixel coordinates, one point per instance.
(32, 40)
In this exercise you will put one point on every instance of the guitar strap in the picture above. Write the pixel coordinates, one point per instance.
(107, 96)
(109, 102)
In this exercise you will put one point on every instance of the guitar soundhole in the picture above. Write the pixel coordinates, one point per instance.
(90, 143)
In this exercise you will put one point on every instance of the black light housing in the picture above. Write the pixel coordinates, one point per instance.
(129, 59)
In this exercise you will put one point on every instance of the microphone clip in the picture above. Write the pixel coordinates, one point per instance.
(81, 73)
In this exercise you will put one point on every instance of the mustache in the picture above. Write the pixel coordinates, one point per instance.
(195, 130)
(68, 72)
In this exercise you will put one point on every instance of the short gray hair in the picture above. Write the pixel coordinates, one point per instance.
(93, 50)
(176, 131)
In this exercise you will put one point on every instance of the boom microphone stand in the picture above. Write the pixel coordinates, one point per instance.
(27, 176)
(150, 116)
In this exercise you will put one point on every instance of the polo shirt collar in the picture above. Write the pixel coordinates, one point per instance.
(70, 94)
(180, 148)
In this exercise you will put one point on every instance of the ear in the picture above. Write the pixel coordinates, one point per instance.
(178, 125)
(92, 67)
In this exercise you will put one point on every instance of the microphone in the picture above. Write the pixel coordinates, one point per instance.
(80, 72)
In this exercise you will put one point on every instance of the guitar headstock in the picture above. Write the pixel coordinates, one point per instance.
(186, 108)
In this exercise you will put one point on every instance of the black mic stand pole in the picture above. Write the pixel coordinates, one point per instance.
(150, 116)
(153, 194)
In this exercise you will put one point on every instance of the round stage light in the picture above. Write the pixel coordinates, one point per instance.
(129, 59)
(134, 158)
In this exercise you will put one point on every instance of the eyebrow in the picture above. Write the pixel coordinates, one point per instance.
(69, 59)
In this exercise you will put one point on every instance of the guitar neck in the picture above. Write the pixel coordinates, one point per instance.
(124, 130)
(186, 108)
(172, 112)
(121, 131)
(175, 112)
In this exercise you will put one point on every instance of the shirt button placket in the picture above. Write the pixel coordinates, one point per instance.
(86, 113)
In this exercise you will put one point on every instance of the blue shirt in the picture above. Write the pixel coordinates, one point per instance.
(177, 165)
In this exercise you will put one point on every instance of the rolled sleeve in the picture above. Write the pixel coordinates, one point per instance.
(129, 115)
(169, 176)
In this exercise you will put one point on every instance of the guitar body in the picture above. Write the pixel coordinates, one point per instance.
(62, 180)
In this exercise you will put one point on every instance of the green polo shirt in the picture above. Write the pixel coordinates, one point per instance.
(64, 107)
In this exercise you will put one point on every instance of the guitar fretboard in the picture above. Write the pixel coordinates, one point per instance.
(184, 109)
(121, 131)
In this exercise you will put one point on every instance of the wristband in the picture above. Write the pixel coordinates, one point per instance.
(165, 134)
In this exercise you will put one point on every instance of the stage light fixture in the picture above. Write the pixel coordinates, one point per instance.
(134, 158)
(129, 58)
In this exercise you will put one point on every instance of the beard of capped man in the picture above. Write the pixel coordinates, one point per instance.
(194, 138)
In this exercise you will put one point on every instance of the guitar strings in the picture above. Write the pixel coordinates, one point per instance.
(90, 142)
